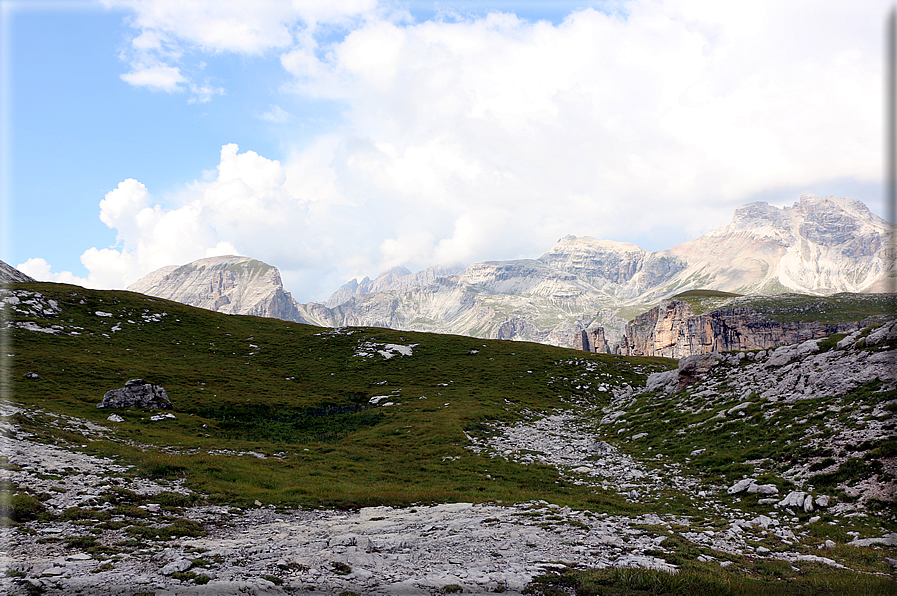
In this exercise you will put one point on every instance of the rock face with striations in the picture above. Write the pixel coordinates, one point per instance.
(11, 275)
(229, 284)
(137, 393)
(671, 330)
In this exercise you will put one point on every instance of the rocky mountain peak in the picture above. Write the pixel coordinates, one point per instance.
(229, 284)
(816, 208)
(819, 245)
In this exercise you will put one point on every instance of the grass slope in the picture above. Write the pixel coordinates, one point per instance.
(300, 395)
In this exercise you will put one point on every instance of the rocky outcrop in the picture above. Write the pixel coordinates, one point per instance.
(670, 330)
(11, 275)
(592, 340)
(229, 284)
(794, 372)
(137, 393)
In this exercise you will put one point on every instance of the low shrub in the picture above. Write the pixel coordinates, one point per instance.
(21, 508)
(340, 568)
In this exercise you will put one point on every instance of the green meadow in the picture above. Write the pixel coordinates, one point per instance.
(300, 416)
(300, 395)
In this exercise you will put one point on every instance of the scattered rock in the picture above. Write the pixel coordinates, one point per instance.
(115, 418)
(32, 375)
(54, 571)
(763, 489)
(137, 393)
(178, 566)
(886, 540)
(693, 368)
(740, 486)
(798, 499)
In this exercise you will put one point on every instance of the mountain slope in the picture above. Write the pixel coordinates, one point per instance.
(228, 284)
(818, 246)
(9, 274)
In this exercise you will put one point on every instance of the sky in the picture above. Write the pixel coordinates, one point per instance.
(335, 139)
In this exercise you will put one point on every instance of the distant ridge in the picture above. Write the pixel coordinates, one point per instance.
(818, 246)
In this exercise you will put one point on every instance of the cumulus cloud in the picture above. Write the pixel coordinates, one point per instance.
(491, 137)
(510, 134)
(39, 269)
(246, 208)
(166, 28)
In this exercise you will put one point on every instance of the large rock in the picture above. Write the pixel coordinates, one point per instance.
(137, 393)
(693, 368)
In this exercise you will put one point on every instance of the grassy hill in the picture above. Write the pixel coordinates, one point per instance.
(300, 395)
(295, 415)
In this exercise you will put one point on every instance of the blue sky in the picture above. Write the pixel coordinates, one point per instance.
(341, 138)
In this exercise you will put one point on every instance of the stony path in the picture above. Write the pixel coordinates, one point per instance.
(481, 548)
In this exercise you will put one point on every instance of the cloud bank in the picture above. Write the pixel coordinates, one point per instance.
(492, 137)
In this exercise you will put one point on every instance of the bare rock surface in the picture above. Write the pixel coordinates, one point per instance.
(9, 274)
(671, 330)
(137, 393)
(228, 284)
(389, 551)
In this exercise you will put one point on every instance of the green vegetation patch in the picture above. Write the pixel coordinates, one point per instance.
(281, 412)
(325, 422)
(744, 578)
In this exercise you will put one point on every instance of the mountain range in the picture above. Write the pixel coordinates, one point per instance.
(819, 246)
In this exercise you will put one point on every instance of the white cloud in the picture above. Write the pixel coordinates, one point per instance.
(203, 93)
(168, 27)
(39, 269)
(156, 78)
(246, 208)
(505, 134)
(275, 115)
(492, 137)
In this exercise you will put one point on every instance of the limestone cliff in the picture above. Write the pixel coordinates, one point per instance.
(228, 284)
(820, 245)
(672, 330)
